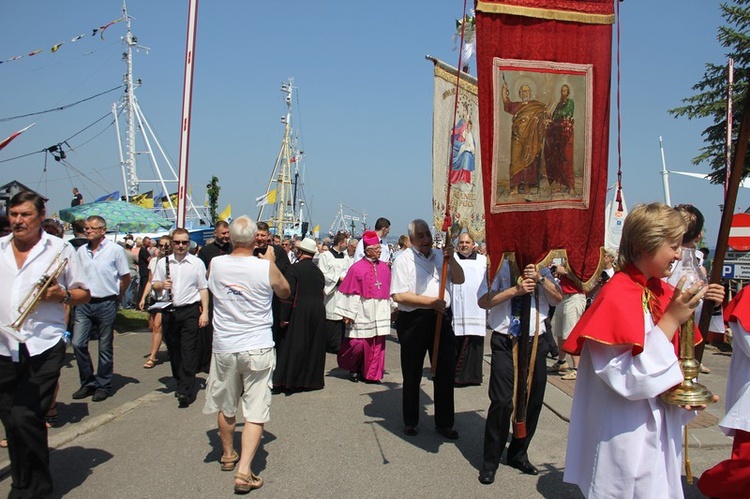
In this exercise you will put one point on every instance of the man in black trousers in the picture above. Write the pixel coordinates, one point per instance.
(503, 302)
(415, 285)
(187, 313)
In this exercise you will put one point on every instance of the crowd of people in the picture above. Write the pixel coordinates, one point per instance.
(259, 313)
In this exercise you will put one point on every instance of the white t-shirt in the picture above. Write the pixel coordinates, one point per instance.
(242, 294)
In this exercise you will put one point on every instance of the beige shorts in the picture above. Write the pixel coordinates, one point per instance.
(567, 313)
(242, 376)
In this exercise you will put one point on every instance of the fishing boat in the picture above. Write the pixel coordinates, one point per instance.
(138, 140)
(348, 220)
(283, 206)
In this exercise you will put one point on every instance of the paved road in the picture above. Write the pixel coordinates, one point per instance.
(343, 441)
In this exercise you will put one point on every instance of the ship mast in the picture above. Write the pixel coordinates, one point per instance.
(136, 123)
(285, 219)
(129, 107)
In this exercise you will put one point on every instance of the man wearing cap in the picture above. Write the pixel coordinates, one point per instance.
(382, 228)
(333, 264)
(301, 345)
(415, 286)
(365, 307)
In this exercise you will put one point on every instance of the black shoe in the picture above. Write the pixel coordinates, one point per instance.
(487, 476)
(100, 394)
(447, 432)
(353, 376)
(525, 467)
(83, 392)
(183, 401)
(411, 430)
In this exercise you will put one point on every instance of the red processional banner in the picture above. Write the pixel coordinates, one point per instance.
(544, 84)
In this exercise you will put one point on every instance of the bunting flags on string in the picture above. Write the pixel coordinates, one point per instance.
(267, 198)
(145, 200)
(13, 136)
(226, 214)
(56, 47)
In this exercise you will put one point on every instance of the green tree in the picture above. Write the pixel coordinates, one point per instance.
(710, 100)
(213, 198)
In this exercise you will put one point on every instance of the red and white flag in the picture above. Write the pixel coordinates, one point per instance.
(13, 136)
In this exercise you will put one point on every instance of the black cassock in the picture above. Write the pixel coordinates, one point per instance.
(301, 346)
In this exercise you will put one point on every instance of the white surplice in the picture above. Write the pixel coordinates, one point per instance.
(624, 441)
(468, 317)
(738, 385)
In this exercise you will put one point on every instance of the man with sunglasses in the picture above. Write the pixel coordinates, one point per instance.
(186, 281)
(108, 276)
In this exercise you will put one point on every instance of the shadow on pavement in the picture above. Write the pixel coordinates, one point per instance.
(550, 484)
(76, 465)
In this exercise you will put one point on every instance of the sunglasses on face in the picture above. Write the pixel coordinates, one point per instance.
(164, 246)
(177, 242)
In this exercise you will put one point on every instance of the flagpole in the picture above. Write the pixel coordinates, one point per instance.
(664, 174)
(187, 98)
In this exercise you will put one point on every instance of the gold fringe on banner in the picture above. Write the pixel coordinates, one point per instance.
(539, 13)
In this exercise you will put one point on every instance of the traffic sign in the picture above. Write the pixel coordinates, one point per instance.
(739, 232)
(735, 270)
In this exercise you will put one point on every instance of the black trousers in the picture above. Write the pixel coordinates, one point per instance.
(497, 427)
(334, 335)
(469, 359)
(416, 334)
(180, 327)
(26, 389)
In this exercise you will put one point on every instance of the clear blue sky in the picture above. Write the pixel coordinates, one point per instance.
(365, 97)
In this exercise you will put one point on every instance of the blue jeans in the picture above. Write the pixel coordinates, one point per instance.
(95, 320)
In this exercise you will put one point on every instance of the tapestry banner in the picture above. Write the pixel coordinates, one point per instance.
(544, 87)
(464, 175)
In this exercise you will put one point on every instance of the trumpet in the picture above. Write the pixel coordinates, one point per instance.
(34, 297)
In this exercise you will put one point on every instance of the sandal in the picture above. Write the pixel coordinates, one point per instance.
(250, 482)
(570, 375)
(51, 418)
(228, 463)
(150, 363)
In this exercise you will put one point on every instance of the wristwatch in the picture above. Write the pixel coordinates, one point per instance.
(66, 300)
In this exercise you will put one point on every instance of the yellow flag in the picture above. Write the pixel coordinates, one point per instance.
(145, 200)
(226, 214)
(316, 229)
(267, 198)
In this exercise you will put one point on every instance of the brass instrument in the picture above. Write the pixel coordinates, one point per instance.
(34, 297)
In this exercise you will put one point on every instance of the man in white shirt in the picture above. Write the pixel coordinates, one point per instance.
(184, 275)
(415, 287)
(29, 371)
(334, 265)
(108, 274)
(382, 227)
(502, 300)
(243, 356)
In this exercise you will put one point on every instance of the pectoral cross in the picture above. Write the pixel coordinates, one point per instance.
(378, 283)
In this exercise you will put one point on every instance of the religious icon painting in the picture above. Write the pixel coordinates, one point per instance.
(542, 136)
